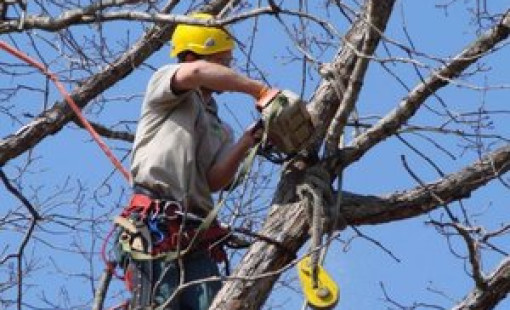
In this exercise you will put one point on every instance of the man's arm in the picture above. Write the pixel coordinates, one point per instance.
(222, 173)
(209, 75)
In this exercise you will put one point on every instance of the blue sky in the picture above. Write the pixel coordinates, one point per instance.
(425, 266)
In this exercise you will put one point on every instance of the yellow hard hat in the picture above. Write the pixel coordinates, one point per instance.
(200, 39)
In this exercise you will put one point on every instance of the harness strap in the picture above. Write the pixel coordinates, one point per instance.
(210, 241)
(139, 203)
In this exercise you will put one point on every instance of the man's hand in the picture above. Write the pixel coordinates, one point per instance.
(265, 96)
(253, 133)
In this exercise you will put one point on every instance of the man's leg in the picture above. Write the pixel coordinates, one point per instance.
(200, 296)
(165, 284)
(154, 281)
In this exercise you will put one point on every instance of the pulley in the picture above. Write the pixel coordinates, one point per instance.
(322, 296)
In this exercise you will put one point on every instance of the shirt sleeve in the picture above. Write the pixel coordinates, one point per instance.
(159, 90)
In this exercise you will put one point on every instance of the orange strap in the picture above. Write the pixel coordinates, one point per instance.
(71, 103)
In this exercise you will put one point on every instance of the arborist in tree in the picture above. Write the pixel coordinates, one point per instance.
(183, 152)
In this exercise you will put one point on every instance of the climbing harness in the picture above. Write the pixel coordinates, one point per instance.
(151, 229)
(154, 234)
(154, 229)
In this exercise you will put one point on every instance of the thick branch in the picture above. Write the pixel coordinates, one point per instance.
(390, 124)
(348, 95)
(94, 15)
(106, 132)
(498, 286)
(349, 67)
(362, 210)
(76, 16)
(52, 120)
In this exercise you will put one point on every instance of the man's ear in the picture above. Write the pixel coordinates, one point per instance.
(189, 57)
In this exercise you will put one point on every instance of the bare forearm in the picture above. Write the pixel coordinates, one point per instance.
(223, 172)
(216, 77)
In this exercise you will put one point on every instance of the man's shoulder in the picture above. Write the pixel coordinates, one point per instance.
(166, 69)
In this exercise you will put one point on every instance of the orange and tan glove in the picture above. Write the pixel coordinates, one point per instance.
(265, 96)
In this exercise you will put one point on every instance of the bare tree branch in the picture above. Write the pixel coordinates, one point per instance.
(420, 200)
(35, 217)
(52, 120)
(498, 286)
(415, 99)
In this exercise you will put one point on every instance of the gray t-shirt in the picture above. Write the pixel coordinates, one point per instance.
(178, 138)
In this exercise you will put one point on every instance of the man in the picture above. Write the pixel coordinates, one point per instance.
(183, 153)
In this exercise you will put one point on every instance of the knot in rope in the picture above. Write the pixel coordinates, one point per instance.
(317, 194)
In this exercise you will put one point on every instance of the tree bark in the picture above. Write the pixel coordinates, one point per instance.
(253, 280)
(498, 286)
(286, 222)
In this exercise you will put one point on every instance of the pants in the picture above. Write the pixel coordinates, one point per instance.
(156, 290)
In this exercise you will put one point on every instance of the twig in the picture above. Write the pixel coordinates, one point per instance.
(34, 218)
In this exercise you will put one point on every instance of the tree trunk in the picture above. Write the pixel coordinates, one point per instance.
(263, 263)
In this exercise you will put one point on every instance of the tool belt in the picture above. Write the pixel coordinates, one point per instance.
(153, 228)
(288, 123)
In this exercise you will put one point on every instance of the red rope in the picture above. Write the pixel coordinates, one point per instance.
(11, 50)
